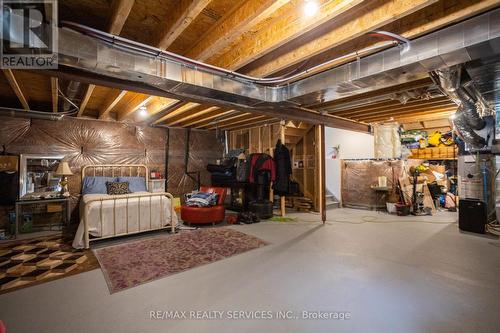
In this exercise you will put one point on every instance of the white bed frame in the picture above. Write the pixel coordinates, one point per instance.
(131, 170)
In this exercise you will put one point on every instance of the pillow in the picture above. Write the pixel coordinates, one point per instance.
(135, 184)
(115, 188)
(96, 185)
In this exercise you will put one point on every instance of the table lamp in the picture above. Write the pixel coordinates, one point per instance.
(64, 170)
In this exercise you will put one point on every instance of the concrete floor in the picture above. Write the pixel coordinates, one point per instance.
(390, 276)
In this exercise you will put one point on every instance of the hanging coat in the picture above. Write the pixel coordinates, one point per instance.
(283, 169)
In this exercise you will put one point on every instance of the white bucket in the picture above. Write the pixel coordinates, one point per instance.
(391, 208)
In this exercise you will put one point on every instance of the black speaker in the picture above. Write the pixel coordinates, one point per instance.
(472, 215)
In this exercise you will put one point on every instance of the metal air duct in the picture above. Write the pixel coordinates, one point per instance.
(455, 83)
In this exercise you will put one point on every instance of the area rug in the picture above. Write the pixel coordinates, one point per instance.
(28, 262)
(131, 264)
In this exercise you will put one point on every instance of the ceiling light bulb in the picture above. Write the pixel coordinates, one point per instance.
(310, 8)
(143, 111)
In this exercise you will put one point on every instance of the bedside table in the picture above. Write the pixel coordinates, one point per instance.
(41, 209)
(156, 185)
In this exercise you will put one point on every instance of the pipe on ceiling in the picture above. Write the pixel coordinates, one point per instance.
(48, 115)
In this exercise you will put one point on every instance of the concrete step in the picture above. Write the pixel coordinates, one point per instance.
(332, 204)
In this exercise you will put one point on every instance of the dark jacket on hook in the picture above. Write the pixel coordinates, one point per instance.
(283, 169)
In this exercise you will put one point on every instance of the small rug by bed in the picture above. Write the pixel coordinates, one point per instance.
(131, 264)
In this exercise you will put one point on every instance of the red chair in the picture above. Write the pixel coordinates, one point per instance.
(206, 215)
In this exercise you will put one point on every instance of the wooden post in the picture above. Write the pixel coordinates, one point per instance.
(320, 148)
(271, 152)
(282, 137)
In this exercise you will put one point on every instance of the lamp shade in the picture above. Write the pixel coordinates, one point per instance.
(63, 169)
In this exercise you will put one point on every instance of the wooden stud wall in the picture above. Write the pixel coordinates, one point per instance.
(263, 140)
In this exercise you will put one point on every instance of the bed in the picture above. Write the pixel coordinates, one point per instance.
(105, 216)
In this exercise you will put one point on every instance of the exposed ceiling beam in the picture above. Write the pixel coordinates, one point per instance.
(111, 103)
(257, 123)
(54, 86)
(390, 105)
(187, 111)
(414, 115)
(286, 28)
(202, 112)
(179, 19)
(158, 104)
(235, 24)
(350, 101)
(165, 109)
(405, 112)
(205, 119)
(120, 10)
(375, 15)
(423, 117)
(442, 13)
(173, 112)
(135, 104)
(246, 120)
(395, 112)
(86, 98)
(400, 108)
(9, 74)
(221, 121)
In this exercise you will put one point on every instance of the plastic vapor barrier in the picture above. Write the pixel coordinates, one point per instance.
(84, 142)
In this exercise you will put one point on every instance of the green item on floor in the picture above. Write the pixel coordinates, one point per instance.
(282, 219)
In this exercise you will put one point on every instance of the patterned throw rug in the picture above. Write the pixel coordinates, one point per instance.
(131, 264)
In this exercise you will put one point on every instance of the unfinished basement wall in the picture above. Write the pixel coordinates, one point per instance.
(85, 142)
(353, 145)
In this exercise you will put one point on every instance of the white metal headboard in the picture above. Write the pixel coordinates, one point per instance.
(116, 170)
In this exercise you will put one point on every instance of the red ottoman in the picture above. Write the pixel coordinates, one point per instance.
(206, 215)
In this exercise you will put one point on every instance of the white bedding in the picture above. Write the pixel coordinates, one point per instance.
(143, 214)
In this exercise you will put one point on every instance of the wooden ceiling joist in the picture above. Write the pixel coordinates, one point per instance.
(9, 74)
(120, 10)
(218, 122)
(414, 115)
(254, 124)
(201, 121)
(414, 110)
(237, 22)
(347, 102)
(86, 98)
(433, 17)
(194, 113)
(390, 105)
(432, 116)
(54, 87)
(185, 107)
(246, 120)
(375, 15)
(288, 27)
(111, 103)
(401, 109)
(137, 102)
(179, 19)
